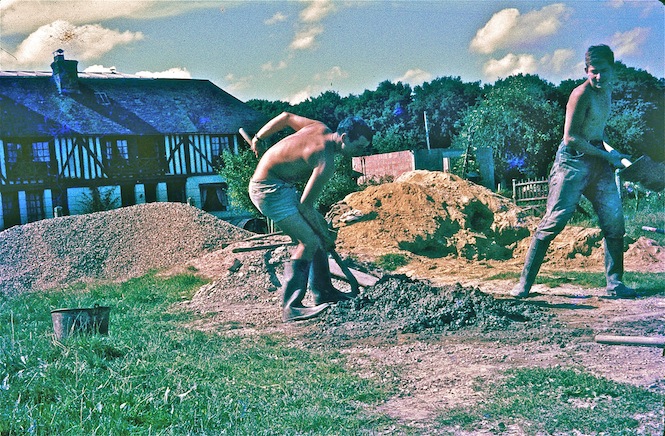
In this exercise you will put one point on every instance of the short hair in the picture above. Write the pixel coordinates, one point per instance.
(355, 127)
(599, 53)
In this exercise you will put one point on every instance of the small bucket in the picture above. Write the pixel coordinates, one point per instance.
(68, 322)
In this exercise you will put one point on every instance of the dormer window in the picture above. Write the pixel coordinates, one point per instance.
(102, 98)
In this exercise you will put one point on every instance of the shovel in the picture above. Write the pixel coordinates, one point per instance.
(644, 170)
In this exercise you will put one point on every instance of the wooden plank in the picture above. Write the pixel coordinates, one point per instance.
(362, 278)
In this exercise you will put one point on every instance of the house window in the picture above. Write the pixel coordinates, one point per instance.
(35, 205)
(13, 152)
(214, 197)
(117, 149)
(102, 98)
(219, 144)
(40, 152)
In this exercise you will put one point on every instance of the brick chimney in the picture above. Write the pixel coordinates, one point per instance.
(65, 73)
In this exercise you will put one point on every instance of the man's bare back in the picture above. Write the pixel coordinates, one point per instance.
(296, 156)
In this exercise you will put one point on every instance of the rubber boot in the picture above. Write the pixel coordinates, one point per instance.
(614, 269)
(294, 289)
(320, 281)
(534, 258)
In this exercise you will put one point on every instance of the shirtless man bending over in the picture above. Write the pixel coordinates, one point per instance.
(584, 167)
(306, 155)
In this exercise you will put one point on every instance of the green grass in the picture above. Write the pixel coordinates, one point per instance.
(391, 261)
(557, 401)
(155, 375)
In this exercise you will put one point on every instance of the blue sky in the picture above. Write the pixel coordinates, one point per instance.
(292, 50)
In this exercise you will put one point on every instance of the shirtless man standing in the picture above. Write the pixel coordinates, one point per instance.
(583, 167)
(306, 155)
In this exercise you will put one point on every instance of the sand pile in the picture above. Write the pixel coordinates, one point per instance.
(114, 245)
(432, 214)
(435, 215)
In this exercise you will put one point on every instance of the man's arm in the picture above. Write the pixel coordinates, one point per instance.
(280, 122)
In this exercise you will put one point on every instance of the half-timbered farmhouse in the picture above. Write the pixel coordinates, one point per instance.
(68, 137)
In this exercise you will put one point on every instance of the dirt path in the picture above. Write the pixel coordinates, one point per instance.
(437, 371)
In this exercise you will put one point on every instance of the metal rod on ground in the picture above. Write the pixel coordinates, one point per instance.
(640, 341)
(653, 229)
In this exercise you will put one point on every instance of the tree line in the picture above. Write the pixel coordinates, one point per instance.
(520, 118)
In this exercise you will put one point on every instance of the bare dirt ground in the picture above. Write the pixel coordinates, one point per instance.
(434, 326)
(436, 368)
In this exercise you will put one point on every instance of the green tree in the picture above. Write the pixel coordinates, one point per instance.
(519, 118)
(237, 170)
(445, 100)
(636, 125)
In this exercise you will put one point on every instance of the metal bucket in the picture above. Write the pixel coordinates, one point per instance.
(68, 322)
(647, 172)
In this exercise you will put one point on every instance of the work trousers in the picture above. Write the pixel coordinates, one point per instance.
(574, 174)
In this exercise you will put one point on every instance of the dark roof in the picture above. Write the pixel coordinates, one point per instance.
(30, 105)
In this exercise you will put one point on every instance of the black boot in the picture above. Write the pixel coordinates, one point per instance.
(534, 258)
(614, 269)
(320, 281)
(294, 289)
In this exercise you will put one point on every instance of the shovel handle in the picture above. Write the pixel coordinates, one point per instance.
(353, 282)
(625, 162)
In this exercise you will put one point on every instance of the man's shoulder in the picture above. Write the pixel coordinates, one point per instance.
(580, 93)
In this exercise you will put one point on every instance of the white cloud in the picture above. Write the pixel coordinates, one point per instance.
(559, 64)
(277, 18)
(23, 17)
(79, 42)
(317, 11)
(415, 77)
(335, 72)
(630, 42)
(558, 61)
(509, 65)
(508, 28)
(237, 83)
(306, 39)
(310, 17)
(269, 66)
(171, 73)
(303, 95)
(99, 69)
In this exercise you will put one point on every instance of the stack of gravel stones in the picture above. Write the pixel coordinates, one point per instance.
(113, 245)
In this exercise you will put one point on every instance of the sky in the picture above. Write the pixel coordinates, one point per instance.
(297, 49)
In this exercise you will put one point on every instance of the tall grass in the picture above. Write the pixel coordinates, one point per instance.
(154, 375)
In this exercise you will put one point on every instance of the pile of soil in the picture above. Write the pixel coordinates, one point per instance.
(113, 245)
(434, 215)
(397, 304)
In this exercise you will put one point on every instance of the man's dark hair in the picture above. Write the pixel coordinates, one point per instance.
(355, 127)
(599, 53)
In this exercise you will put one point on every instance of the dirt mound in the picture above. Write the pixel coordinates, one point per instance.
(431, 214)
(397, 304)
(113, 245)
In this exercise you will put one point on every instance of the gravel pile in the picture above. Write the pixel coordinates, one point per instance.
(114, 245)
(397, 304)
